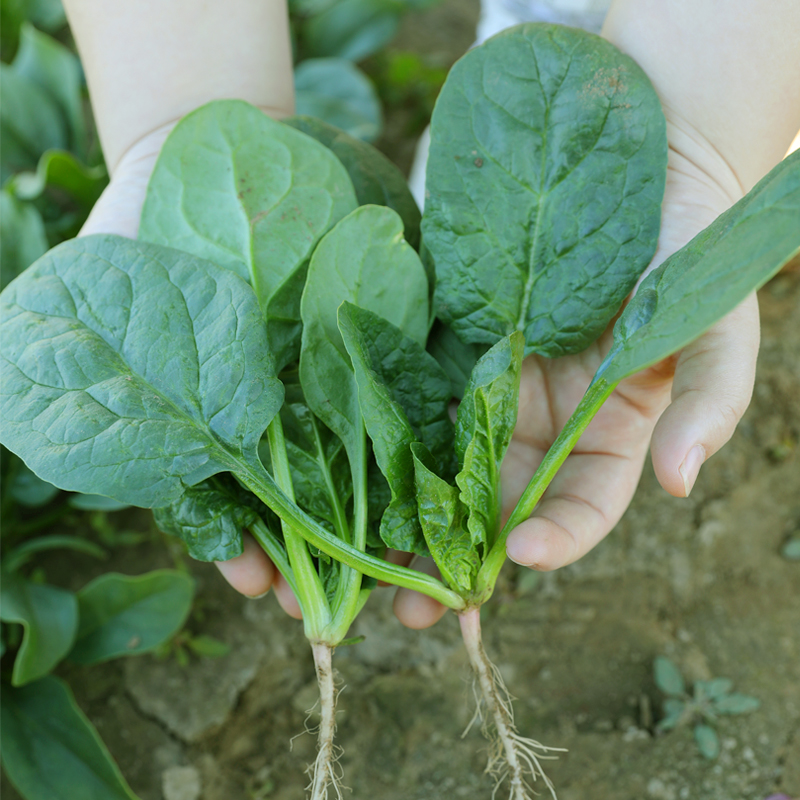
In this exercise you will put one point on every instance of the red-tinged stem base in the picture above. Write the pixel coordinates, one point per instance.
(324, 774)
(512, 757)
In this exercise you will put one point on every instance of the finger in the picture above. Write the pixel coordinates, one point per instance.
(416, 610)
(713, 385)
(396, 557)
(583, 503)
(251, 573)
(286, 599)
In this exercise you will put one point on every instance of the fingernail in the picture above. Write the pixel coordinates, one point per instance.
(516, 552)
(257, 596)
(690, 468)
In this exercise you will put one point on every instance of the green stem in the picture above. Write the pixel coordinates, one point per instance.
(261, 484)
(309, 590)
(597, 393)
(274, 548)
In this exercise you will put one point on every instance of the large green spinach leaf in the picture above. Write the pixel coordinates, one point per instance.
(251, 194)
(376, 180)
(133, 370)
(739, 252)
(544, 185)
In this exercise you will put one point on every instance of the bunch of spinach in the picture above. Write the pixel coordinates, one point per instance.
(272, 371)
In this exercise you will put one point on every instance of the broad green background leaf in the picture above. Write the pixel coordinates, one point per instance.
(29, 489)
(63, 171)
(22, 237)
(57, 71)
(132, 371)
(50, 619)
(95, 502)
(668, 677)
(707, 741)
(484, 424)
(22, 553)
(337, 91)
(30, 123)
(544, 186)
(365, 261)
(122, 615)
(376, 180)
(735, 255)
(209, 518)
(352, 29)
(404, 396)
(736, 704)
(250, 194)
(444, 523)
(51, 751)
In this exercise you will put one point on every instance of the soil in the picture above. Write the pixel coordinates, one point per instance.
(700, 580)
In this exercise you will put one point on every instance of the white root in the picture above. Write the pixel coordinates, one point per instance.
(512, 757)
(324, 772)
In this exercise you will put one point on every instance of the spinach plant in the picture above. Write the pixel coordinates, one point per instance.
(272, 372)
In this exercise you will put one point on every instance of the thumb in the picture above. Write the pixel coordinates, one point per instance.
(711, 390)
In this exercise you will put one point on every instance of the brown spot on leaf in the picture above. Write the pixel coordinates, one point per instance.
(478, 162)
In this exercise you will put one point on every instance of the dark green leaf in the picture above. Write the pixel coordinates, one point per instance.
(29, 489)
(707, 741)
(30, 123)
(404, 396)
(210, 518)
(337, 91)
(456, 358)
(736, 704)
(544, 187)
(56, 70)
(444, 523)
(61, 170)
(248, 193)
(23, 552)
(51, 751)
(365, 261)
(352, 29)
(22, 237)
(133, 371)
(716, 687)
(668, 677)
(50, 619)
(735, 255)
(122, 615)
(484, 424)
(376, 180)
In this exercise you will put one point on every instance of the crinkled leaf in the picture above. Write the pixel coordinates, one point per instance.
(376, 180)
(713, 688)
(365, 261)
(132, 370)
(22, 237)
(456, 358)
(56, 70)
(707, 741)
(50, 749)
(122, 615)
(736, 704)
(735, 255)
(209, 518)
(484, 424)
(50, 619)
(337, 91)
(544, 186)
(251, 194)
(444, 523)
(668, 677)
(352, 29)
